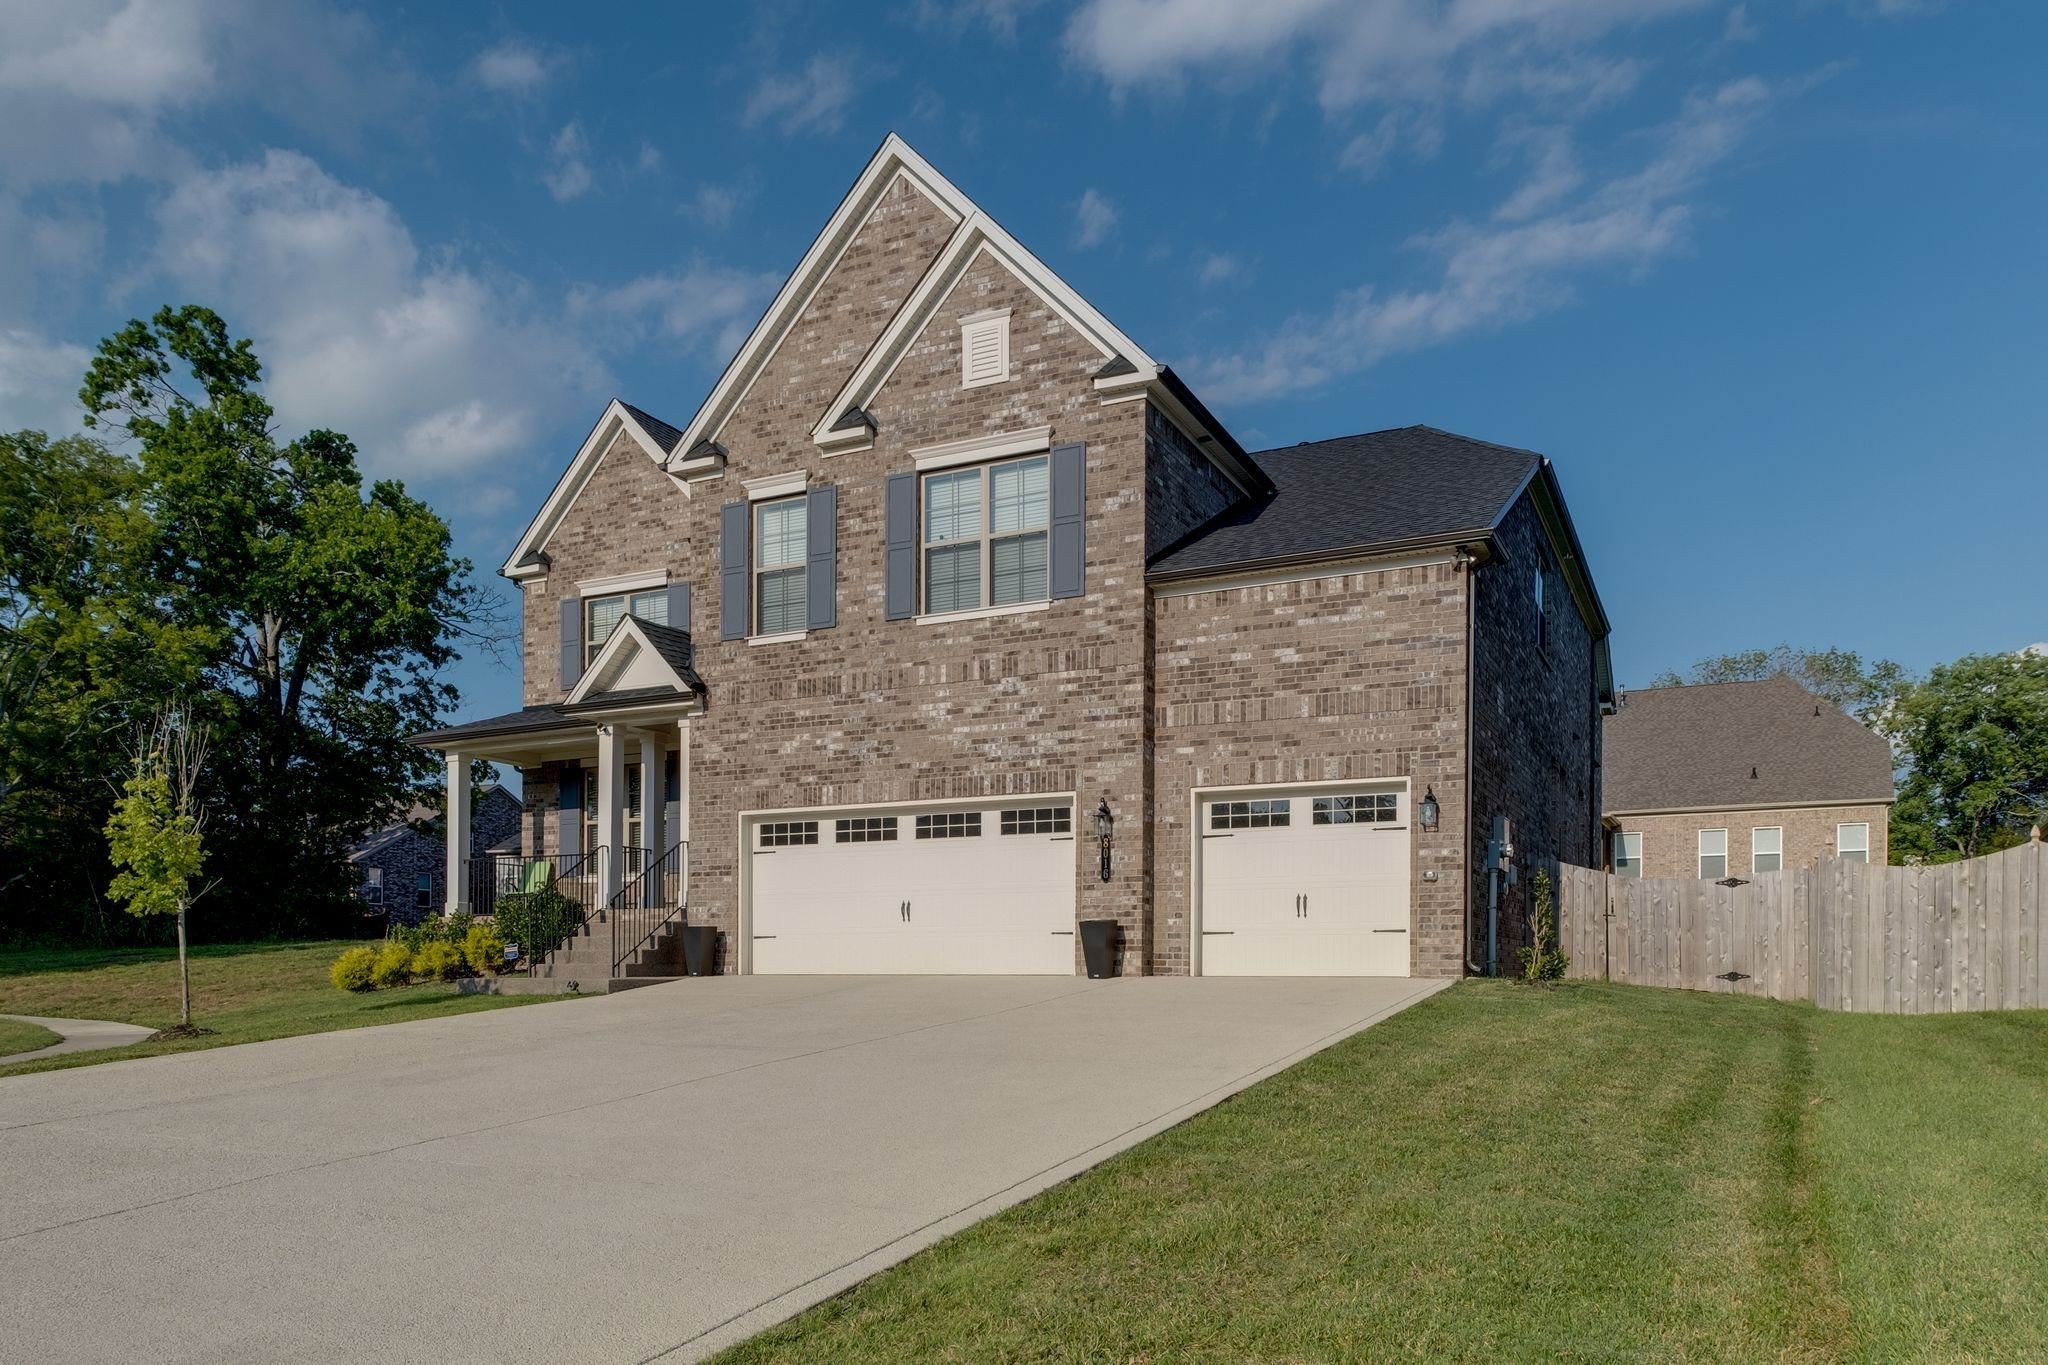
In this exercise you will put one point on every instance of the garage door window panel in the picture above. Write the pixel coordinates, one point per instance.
(1380, 809)
(950, 825)
(1038, 820)
(789, 833)
(867, 829)
(1250, 814)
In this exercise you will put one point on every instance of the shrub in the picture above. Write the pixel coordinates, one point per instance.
(483, 949)
(1546, 960)
(437, 961)
(433, 928)
(393, 966)
(537, 920)
(354, 970)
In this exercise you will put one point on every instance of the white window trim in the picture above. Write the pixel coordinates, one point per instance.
(592, 648)
(624, 582)
(756, 568)
(996, 320)
(775, 485)
(1778, 852)
(975, 449)
(1620, 843)
(1863, 825)
(933, 618)
(1701, 855)
(780, 638)
(988, 537)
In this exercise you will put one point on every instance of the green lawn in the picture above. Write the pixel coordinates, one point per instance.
(1511, 1174)
(243, 992)
(16, 1036)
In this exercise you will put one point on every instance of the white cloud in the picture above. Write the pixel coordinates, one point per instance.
(708, 308)
(1741, 28)
(714, 205)
(1523, 263)
(1420, 135)
(430, 365)
(1553, 172)
(39, 382)
(813, 100)
(1094, 219)
(1219, 267)
(568, 174)
(513, 66)
(997, 16)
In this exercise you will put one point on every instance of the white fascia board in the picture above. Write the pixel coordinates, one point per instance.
(627, 634)
(1023, 441)
(622, 582)
(775, 485)
(976, 234)
(610, 424)
(893, 159)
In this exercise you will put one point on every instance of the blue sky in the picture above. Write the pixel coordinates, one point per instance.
(1765, 280)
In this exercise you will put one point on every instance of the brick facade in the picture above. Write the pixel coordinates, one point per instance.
(389, 864)
(1671, 842)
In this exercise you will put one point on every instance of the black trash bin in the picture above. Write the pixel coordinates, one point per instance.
(1098, 947)
(700, 949)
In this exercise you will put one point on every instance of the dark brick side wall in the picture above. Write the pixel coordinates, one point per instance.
(1535, 726)
(1354, 676)
(494, 819)
(1183, 487)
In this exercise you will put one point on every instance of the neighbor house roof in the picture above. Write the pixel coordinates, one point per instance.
(1357, 494)
(1725, 746)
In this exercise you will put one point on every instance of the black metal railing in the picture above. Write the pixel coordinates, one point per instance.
(561, 893)
(654, 896)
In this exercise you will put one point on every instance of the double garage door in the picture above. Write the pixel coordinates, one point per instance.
(1291, 882)
(985, 889)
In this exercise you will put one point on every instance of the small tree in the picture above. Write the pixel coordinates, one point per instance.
(1545, 960)
(156, 835)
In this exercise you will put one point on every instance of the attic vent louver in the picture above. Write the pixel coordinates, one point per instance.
(985, 348)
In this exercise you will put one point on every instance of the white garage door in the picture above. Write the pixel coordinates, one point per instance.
(973, 890)
(1305, 883)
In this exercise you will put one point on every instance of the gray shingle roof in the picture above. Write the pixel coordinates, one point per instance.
(512, 722)
(673, 645)
(1354, 493)
(658, 431)
(1694, 748)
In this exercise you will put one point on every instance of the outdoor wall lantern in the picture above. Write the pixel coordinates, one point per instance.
(1105, 825)
(1428, 811)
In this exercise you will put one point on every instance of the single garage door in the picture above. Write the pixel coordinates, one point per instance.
(985, 889)
(1305, 882)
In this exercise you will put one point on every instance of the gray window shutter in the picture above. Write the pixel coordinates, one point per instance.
(679, 605)
(572, 642)
(900, 536)
(1069, 514)
(732, 572)
(571, 828)
(821, 558)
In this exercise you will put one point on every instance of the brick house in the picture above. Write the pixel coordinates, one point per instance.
(946, 569)
(1732, 779)
(402, 868)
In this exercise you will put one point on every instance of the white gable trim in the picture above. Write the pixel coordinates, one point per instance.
(610, 424)
(626, 656)
(894, 160)
(978, 234)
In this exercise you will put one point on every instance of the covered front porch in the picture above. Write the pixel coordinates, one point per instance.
(606, 774)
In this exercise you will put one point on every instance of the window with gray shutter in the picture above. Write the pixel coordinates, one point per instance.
(679, 605)
(1069, 512)
(572, 642)
(822, 531)
(732, 572)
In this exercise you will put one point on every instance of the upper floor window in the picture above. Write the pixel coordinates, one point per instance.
(985, 349)
(985, 533)
(1713, 854)
(1767, 848)
(1628, 853)
(1853, 842)
(780, 535)
(601, 615)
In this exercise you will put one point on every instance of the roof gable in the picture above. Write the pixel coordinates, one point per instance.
(640, 657)
(1725, 746)
(655, 438)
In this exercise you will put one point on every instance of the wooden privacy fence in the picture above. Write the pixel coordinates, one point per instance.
(1847, 936)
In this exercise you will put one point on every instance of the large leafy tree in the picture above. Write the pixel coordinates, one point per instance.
(89, 646)
(330, 607)
(1865, 690)
(1974, 738)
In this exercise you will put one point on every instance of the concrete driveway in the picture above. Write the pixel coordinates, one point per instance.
(640, 1176)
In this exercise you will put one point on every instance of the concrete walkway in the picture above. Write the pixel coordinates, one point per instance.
(624, 1178)
(80, 1035)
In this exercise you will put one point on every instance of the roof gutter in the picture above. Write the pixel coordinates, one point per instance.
(1479, 542)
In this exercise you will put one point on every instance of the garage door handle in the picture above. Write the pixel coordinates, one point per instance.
(1061, 839)
(1207, 932)
(1219, 836)
(1390, 931)
(760, 938)
(1068, 932)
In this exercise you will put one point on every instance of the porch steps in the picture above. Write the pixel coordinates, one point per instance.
(586, 959)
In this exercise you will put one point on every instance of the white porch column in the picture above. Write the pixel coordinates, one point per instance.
(681, 833)
(611, 808)
(456, 828)
(653, 794)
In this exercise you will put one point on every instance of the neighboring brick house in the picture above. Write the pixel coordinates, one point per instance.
(1732, 779)
(402, 868)
(946, 563)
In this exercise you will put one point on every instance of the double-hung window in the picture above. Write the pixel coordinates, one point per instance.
(601, 615)
(1713, 854)
(1767, 848)
(985, 533)
(1628, 853)
(1852, 842)
(780, 535)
